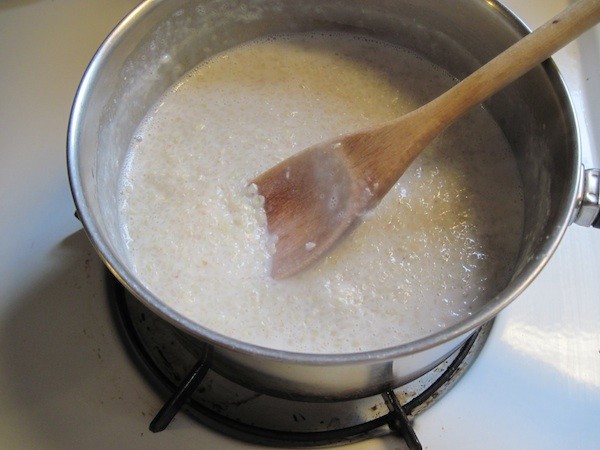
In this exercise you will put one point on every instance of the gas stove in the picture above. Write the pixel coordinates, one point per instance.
(66, 379)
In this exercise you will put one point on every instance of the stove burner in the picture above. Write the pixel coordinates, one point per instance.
(190, 385)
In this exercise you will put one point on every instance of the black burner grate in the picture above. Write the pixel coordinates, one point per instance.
(184, 376)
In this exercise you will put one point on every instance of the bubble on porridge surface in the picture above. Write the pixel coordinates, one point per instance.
(437, 247)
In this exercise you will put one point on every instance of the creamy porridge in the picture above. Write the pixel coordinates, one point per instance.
(442, 241)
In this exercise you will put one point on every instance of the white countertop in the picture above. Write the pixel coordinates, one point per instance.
(67, 383)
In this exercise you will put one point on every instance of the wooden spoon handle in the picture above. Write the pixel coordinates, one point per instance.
(384, 152)
(515, 61)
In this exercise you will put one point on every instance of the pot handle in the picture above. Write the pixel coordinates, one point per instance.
(587, 212)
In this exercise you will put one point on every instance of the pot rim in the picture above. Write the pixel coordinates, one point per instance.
(129, 279)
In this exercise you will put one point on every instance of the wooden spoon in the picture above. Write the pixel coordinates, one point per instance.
(314, 197)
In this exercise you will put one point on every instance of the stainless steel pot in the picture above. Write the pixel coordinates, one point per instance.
(161, 40)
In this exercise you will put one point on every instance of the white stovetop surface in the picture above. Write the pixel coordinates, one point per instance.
(65, 380)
